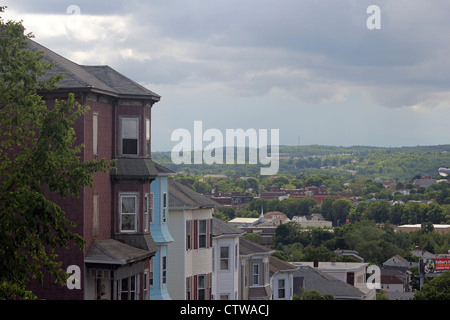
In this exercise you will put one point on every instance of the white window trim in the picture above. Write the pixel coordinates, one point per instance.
(151, 208)
(228, 259)
(147, 136)
(202, 234)
(138, 119)
(146, 288)
(136, 196)
(146, 212)
(281, 288)
(258, 274)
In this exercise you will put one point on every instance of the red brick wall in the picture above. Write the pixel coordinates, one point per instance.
(102, 181)
(81, 210)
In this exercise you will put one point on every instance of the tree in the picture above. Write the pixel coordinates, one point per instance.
(436, 289)
(312, 295)
(37, 153)
(341, 209)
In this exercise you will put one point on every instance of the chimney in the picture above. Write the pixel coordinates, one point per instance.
(333, 261)
(316, 263)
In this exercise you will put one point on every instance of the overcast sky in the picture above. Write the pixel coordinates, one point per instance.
(311, 69)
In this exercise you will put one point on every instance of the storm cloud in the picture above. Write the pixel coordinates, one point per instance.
(295, 65)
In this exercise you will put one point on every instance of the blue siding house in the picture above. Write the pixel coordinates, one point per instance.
(158, 215)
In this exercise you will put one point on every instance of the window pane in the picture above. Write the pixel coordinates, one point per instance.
(129, 146)
(202, 226)
(128, 205)
(147, 137)
(128, 222)
(202, 241)
(124, 289)
(224, 258)
(130, 135)
(201, 282)
(150, 205)
(130, 128)
(224, 252)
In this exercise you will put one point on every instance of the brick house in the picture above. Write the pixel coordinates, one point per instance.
(113, 218)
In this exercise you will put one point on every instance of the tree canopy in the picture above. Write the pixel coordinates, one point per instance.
(38, 153)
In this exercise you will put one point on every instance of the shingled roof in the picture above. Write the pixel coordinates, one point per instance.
(247, 247)
(221, 228)
(312, 279)
(181, 196)
(100, 79)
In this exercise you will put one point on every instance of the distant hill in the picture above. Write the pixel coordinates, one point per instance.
(403, 163)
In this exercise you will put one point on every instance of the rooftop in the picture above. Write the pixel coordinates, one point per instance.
(100, 79)
(221, 228)
(334, 266)
(181, 196)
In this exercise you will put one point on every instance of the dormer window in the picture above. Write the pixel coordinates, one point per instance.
(129, 138)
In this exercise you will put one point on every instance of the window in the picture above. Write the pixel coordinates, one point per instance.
(281, 288)
(164, 208)
(255, 274)
(146, 209)
(188, 288)
(202, 234)
(128, 212)
(266, 271)
(201, 287)
(164, 269)
(146, 285)
(188, 234)
(95, 215)
(95, 134)
(150, 275)
(130, 136)
(150, 208)
(224, 257)
(129, 288)
(147, 137)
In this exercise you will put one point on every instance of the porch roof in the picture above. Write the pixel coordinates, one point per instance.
(113, 252)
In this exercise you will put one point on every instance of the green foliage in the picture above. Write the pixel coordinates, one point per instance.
(375, 243)
(254, 237)
(312, 295)
(437, 288)
(349, 162)
(38, 152)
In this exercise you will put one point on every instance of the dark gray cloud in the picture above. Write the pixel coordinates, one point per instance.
(61, 6)
(308, 54)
